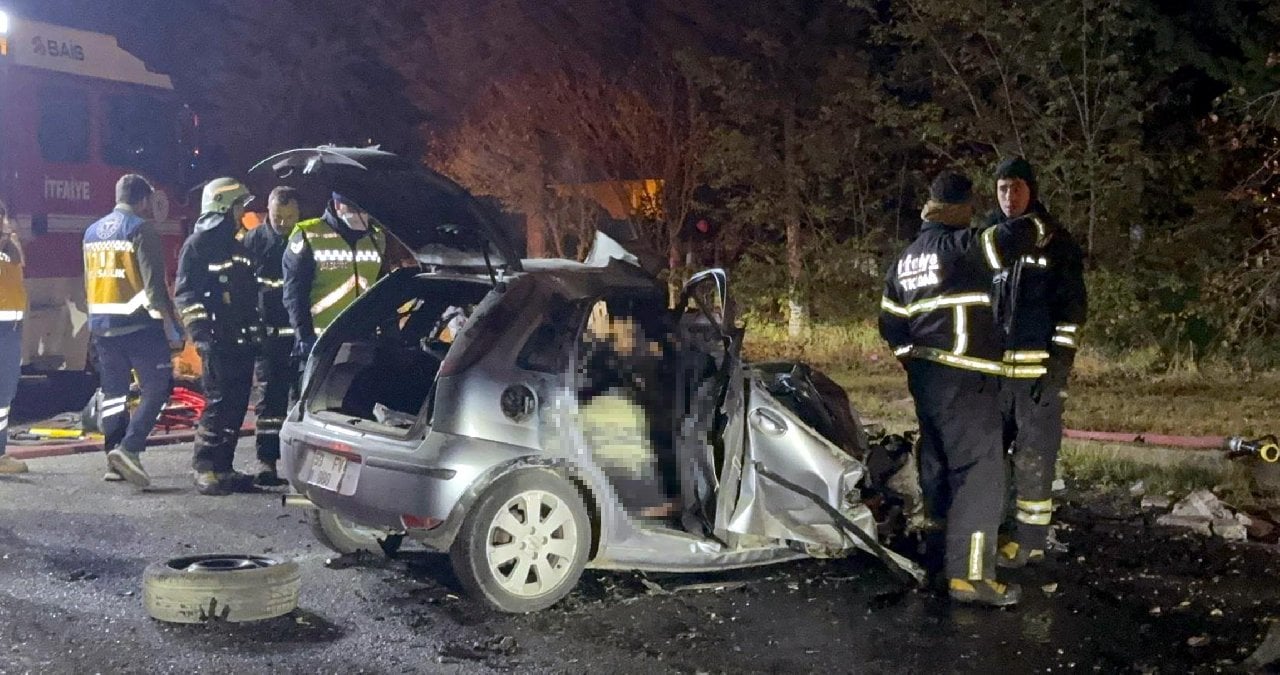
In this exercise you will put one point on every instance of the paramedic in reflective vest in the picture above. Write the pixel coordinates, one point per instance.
(13, 303)
(328, 263)
(1040, 305)
(217, 299)
(274, 369)
(132, 323)
(936, 316)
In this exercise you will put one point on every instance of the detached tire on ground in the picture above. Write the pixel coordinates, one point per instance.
(343, 536)
(524, 544)
(220, 587)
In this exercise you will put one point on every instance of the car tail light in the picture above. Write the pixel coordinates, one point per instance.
(412, 522)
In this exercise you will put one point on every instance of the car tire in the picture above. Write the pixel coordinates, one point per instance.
(343, 536)
(220, 587)
(552, 550)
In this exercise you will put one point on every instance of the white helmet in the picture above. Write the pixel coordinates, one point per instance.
(220, 194)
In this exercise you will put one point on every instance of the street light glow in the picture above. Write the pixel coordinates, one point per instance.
(4, 23)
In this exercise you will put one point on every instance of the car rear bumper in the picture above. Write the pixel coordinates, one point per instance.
(419, 482)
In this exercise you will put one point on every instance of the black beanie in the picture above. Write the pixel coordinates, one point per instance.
(951, 187)
(1017, 168)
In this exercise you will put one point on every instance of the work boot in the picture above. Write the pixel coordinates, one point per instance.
(221, 483)
(236, 481)
(207, 483)
(267, 476)
(1013, 556)
(9, 465)
(986, 592)
(129, 466)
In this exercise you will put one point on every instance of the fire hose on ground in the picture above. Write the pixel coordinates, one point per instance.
(1265, 448)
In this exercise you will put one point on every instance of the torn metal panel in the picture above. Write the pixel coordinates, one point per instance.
(778, 439)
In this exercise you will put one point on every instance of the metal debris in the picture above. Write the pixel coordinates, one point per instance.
(710, 586)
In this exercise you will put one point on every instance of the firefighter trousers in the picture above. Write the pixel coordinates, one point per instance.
(962, 471)
(227, 381)
(276, 374)
(1033, 436)
(145, 352)
(10, 373)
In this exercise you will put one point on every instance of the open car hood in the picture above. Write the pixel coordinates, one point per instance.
(436, 218)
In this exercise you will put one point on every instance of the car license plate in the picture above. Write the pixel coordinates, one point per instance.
(334, 472)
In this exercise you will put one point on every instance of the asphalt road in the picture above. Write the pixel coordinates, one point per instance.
(72, 551)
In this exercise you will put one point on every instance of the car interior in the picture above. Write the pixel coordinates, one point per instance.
(648, 391)
(384, 373)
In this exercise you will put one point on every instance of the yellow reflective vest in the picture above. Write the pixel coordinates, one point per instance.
(343, 271)
(13, 294)
(114, 286)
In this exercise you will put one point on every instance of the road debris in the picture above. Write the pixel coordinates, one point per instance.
(653, 587)
(710, 586)
(478, 650)
(1204, 513)
(1156, 502)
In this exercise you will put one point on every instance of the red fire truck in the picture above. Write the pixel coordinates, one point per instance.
(77, 111)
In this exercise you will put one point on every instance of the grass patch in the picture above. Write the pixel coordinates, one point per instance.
(1130, 393)
(1164, 471)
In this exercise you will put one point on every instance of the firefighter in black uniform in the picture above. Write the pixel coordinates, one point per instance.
(217, 299)
(1040, 306)
(274, 370)
(936, 316)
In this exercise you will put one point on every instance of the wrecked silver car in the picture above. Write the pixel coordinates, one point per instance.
(536, 417)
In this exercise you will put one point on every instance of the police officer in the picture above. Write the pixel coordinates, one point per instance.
(274, 370)
(328, 263)
(1041, 304)
(132, 323)
(217, 298)
(936, 316)
(13, 303)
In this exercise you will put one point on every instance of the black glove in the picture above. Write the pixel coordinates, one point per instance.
(1054, 382)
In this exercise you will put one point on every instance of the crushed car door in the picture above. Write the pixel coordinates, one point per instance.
(707, 343)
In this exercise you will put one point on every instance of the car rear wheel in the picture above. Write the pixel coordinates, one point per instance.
(524, 545)
(221, 587)
(346, 537)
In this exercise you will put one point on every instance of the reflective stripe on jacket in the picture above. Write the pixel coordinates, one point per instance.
(937, 300)
(1041, 300)
(13, 294)
(114, 287)
(342, 271)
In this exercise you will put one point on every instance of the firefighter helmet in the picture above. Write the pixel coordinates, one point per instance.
(220, 194)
